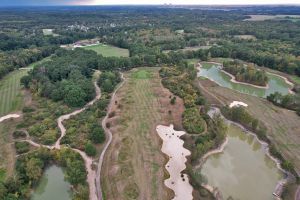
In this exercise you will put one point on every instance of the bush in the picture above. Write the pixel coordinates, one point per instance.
(89, 149)
(27, 109)
(97, 135)
(192, 121)
(173, 100)
(19, 134)
(22, 147)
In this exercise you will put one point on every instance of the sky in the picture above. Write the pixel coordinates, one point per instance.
(122, 2)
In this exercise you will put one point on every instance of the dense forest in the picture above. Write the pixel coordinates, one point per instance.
(248, 74)
(147, 31)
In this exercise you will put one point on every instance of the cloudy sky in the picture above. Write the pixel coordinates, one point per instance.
(113, 2)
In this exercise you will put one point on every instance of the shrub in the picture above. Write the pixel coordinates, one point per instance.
(89, 149)
(22, 147)
(192, 121)
(19, 134)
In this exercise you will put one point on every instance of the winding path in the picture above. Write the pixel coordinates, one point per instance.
(297, 194)
(91, 175)
(108, 134)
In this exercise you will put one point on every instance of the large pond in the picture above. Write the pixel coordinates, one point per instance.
(243, 170)
(213, 72)
(53, 186)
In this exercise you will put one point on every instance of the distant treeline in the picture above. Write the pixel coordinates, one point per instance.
(22, 58)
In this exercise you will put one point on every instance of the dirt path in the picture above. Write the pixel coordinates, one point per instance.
(76, 112)
(297, 194)
(108, 134)
(9, 116)
(91, 176)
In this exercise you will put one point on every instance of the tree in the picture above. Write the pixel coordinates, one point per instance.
(97, 135)
(25, 80)
(89, 149)
(34, 169)
(75, 96)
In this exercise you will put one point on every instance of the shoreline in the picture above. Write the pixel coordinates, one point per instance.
(286, 80)
(233, 78)
(265, 147)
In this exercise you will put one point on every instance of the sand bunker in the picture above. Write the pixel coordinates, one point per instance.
(173, 147)
(238, 104)
(9, 116)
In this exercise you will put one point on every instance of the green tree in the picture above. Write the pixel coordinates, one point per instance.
(34, 169)
(89, 149)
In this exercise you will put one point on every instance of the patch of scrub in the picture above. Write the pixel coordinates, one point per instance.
(52, 186)
(243, 167)
(173, 147)
(213, 72)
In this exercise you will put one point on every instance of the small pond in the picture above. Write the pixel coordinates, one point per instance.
(243, 170)
(53, 186)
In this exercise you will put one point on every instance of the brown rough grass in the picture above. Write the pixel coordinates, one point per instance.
(134, 165)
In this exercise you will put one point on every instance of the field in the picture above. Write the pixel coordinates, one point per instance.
(272, 17)
(134, 164)
(10, 90)
(283, 125)
(7, 150)
(108, 50)
(49, 32)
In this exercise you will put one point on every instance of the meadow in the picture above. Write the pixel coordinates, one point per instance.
(134, 159)
(108, 50)
(11, 97)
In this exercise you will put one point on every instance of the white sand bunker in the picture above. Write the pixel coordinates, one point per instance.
(9, 116)
(173, 147)
(238, 104)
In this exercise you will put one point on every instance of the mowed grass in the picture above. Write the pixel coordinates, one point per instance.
(134, 165)
(108, 50)
(10, 90)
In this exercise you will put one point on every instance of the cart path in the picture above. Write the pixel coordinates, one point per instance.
(109, 136)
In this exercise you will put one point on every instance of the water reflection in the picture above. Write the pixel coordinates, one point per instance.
(53, 186)
(213, 72)
(242, 168)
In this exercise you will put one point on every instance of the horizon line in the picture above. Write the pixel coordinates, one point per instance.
(164, 4)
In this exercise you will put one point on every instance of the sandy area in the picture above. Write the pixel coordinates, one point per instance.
(173, 147)
(9, 117)
(238, 104)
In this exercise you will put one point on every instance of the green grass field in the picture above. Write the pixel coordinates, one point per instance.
(108, 50)
(10, 90)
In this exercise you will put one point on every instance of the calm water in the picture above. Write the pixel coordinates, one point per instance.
(243, 171)
(276, 84)
(52, 186)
